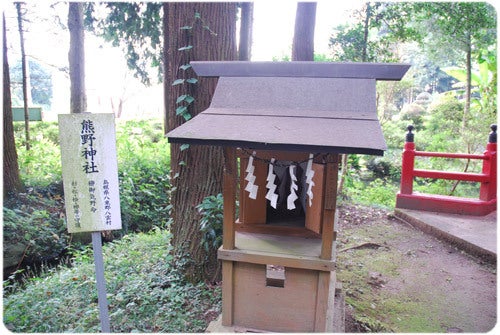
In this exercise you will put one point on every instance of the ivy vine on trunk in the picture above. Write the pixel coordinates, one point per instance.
(197, 172)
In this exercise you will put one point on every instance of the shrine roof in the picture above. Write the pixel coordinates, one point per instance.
(295, 106)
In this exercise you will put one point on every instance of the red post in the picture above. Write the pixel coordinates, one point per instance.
(488, 190)
(408, 163)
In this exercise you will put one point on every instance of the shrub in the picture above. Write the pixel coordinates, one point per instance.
(212, 216)
(35, 221)
(383, 167)
(144, 175)
(33, 229)
(379, 192)
(145, 293)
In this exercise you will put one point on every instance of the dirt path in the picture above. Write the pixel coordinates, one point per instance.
(397, 279)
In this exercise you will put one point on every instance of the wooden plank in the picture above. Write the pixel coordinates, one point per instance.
(322, 300)
(229, 193)
(315, 211)
(330, 204)
(380, 71)
(287, 260)
(253, 211)
(277, 230)
(283, 133)
(335, 319)
(278, 155)
(299, 246)
(296, 97)
(276, 309)
(227, 293)
(269, 111)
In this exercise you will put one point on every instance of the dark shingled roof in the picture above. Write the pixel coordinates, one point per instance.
(297, 106)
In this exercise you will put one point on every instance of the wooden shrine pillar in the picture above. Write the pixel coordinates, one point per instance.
(229, 190)
(327, 279)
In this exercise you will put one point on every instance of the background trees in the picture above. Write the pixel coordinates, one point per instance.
(303, 37)
(78, 97)
(11, 179)
(380, 32)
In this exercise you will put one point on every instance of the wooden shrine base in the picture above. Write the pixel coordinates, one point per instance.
(337, 327)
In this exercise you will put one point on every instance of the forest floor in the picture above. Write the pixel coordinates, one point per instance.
(395, 278)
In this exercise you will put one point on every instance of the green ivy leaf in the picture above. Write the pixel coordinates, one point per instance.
(184, 146)
(187, 47)
(185, 67)
(192, 80)
(186, 98)
(187, 116)
(181, 98)
(186, 28)
(181, 110)
(178, 82)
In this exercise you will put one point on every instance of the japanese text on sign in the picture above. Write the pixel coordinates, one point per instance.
(90, 172)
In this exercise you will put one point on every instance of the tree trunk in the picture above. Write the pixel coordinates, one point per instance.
(11, 180)
(468, 84)
(303, 37)
(76, 57)
(245, 47)
(364, 54)
(24, 75)
(196, 171)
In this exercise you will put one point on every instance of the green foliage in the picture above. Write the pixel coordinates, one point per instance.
(34, 227)
(143, 168)
(188, 81)
(442, 126)
(40, 166)
(212, 212)
(381, 192)
(32, 224)
(144, 176)
(382, 167)
(146, 293)
(135, 27)
(40, 81)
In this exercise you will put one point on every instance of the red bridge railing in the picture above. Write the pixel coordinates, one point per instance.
(485, 204)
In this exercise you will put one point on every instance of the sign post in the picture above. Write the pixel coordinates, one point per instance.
(90, 175)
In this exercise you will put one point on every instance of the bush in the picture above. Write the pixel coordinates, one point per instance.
(144, 195)
(212, 217)
(41, 165)
(33, 229)
(383, 168)
(146, 293)
(379, 192)
(144, 175)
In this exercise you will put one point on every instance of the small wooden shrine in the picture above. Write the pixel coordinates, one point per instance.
(282, 126)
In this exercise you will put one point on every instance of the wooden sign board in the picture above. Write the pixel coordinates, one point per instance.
(90, 172)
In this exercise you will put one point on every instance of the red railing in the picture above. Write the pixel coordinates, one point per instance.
(485, 204)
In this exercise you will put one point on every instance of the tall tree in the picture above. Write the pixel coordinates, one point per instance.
(189, 31)
(76, 57)
(457, 28)
(24, 74)
(11, 179)
(245, 47)
(303, 37)
(194, 31)
(468, 26)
